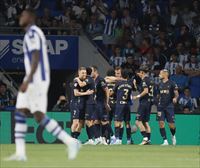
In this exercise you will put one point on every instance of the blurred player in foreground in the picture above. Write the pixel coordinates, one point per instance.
(32, 96)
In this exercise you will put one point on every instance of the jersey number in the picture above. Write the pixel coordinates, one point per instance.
(125, 97)
(151, 91)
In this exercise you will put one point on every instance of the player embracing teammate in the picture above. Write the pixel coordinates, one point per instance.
(98, 101)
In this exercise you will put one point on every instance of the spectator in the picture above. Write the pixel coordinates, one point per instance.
(111, 24)
(116, 60)
(182, 55)
(65, 18)
(6, 98)
(180, 79)
(192, 68)
(46, 18)
(172, 64)
(174, 20)
(34, 4)
(11, 13)
(129, 49)
(130, 65)
(126, 19)
(100, 9)
(78, 9)
(184, 35)
(74, 27)
(94, 28)
(62, 104)
(187, 16)
(187, 103)
(159, 57)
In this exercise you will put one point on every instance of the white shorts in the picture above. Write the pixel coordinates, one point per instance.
(35, 98)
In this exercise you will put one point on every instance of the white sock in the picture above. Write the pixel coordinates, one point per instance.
(53, 128)
(20, 130)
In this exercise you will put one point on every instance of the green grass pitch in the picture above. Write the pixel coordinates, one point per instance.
(123, 156)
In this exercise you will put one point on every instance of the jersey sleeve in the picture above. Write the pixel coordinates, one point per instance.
(33, 41)
(103, 83)
(144, 84)
(175, 86)
(75, 84)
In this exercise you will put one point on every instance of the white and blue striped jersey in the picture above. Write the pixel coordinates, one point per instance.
(34, 39)
(110, 26)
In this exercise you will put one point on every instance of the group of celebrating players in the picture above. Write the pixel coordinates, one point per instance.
(96, 101)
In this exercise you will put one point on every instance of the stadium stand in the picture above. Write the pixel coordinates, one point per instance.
(160, 34)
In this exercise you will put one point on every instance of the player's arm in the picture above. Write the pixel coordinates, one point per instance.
(176, 94)
(144, 92)
(81, 83)
(77, 93)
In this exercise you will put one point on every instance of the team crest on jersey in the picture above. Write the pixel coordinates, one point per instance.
(159, 114)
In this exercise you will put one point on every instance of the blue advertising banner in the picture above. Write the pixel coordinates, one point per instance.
(62, 50)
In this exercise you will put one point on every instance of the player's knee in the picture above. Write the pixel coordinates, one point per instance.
(128, 124)
(39, 116)
(162, 124)
(171, 125)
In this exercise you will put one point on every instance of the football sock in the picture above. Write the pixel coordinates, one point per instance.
(163, 133)
(76, 135)
(173, 131)
(143, 134)
(121, 131)
(88, 132)
(20, 132)
(148, 135)
(117, 130)
(52, 127)
(128, 133)
(111, 130)
(97, 130)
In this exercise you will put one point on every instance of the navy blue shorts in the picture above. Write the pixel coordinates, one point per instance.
(77, 111)
(90, 111)
(166, 113)
(100, 112)
(122, 112)
(144, 111)
(112, 112)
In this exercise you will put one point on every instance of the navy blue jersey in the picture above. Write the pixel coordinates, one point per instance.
(166, 91)
(111, 87)
(100, 84)
(123, 91)
(90, 99)
(146, 83)
(78, 99)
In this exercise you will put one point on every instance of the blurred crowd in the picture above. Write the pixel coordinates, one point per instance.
(158, 33)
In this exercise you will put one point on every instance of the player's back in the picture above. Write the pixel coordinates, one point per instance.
(90, 99)
(34, 40)
(123, 91)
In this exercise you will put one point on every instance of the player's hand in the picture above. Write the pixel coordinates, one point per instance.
(174, 100)
(134, 97)
(107, 106)
(23, 87)
(89, 92)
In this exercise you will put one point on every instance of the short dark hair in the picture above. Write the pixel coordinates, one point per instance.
(110, 72)
(81, 68)
(94, 67)
(144, 68)
(31, 12)
(125, 74)
(118, 68)
(89, 70)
